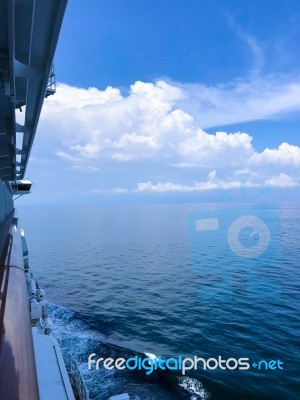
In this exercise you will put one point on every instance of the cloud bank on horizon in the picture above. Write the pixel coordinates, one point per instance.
(163, 126)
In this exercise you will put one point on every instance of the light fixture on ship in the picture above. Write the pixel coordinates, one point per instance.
(20, 187)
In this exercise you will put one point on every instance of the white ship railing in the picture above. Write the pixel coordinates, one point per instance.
(78, 385)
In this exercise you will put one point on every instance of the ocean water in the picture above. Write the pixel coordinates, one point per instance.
(122, 280)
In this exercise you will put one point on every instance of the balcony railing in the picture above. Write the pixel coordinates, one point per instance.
(51, 87)
(78, 385)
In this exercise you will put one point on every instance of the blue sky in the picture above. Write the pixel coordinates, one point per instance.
(171, 98)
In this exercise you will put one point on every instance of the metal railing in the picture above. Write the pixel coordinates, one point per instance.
(78, 385)
(51, 86)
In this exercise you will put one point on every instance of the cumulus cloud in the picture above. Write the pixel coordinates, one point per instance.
(211, 183)
(166, 122)
(282, 181)
(219, 149)
(286, 154)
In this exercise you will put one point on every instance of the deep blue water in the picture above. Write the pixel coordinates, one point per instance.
(127, 279)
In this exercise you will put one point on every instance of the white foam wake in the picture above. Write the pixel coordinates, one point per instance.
(194, 387)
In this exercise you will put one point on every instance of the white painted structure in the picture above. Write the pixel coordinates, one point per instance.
(53, 379)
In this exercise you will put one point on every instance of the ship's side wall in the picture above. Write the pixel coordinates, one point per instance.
(18, 379)
(6, 203)
(6, 210)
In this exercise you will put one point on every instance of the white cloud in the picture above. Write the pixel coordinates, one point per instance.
(155, 117)
(166, 121)
(84, 168)
(251, 42)
(286, 154)
(161, 187)
(184, 165)
(133, 139)
(123, 157)
(241, 101)
(282, 181)
(212, 182)
(90, 150)
(132, 146)
(216, 150)
(115, 190)
(67, 156)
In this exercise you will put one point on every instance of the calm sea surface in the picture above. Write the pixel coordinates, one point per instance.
(127, 279)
